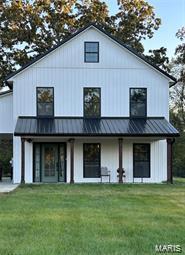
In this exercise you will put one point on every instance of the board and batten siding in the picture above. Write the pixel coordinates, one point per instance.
(6, 114)
(65, 70)
(158, 162)
(109, 159)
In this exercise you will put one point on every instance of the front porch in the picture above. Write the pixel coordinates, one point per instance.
(140, 147)
(66, 160)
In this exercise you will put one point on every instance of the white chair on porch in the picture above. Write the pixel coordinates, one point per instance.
(105, 173)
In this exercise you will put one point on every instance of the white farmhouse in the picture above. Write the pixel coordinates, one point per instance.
(89, 107)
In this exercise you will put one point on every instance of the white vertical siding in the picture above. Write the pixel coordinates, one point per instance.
(128, 160)
(68, 89)
(158, 162)
(28, 162)
(6, 113)
(109, 158)
(65, 70)
(17, 159)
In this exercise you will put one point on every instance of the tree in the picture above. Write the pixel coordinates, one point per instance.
(135, 21)
(177, 113)
(180, 50)
(29, 28)
(92, 11)
(159, 57)
(178, 92)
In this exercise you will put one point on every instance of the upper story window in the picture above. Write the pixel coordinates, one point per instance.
(92, 102)
(45, 102)
(91, 52)
(138, 102)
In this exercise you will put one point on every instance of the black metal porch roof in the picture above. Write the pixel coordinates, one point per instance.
(105, 126)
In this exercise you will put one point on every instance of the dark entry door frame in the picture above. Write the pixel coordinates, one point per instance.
(58, 166)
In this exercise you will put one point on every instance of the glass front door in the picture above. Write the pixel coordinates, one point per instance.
(49, 162)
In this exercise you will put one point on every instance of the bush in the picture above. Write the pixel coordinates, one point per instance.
(179, 156)
(6, 152)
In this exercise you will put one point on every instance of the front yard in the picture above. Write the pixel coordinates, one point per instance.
(91, 219)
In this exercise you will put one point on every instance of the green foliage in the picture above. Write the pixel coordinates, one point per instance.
(5, 155)
(159, 57)
(180, 50)
(179, 146)
(177, 113)
(135, 21)
(179, 156)
(29, 28)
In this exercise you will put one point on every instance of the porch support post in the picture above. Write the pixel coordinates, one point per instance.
(22, 160)
(169, 160)
(120, 141)
(72, 160)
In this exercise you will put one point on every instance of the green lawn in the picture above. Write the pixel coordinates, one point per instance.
(178, 180)
(91, 219)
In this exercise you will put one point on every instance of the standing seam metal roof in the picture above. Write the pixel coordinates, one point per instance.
(105, 126)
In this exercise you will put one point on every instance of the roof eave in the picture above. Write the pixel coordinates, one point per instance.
(97, 135)
(171, 84)
(5, 92)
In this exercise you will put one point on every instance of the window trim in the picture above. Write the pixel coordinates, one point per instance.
(138, 117)
(89, 117)
(149, 148)
(53, 104)
(98, 60)
(84, 160)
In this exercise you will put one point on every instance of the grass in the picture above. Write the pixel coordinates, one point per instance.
(178, 180)
(91, 219)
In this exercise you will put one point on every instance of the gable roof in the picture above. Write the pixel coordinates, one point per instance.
(98, 27)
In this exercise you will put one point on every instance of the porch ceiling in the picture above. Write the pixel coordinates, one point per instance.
(105, 126)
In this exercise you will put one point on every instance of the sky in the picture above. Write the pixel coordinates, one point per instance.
(172, 14)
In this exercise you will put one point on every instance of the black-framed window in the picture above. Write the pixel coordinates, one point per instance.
(138, 102)
(92, 102)
(91, 160)
(141, 160)
(45, 101)
(91, 52)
